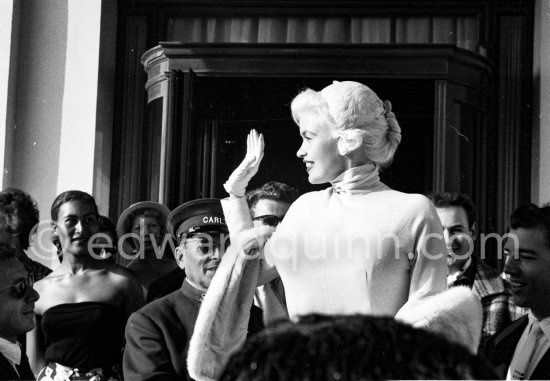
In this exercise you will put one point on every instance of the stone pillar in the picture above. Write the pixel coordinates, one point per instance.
(9, 52)
(540, 187)
(61, 92)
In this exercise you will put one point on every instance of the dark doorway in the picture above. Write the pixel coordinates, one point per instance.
(237, 104)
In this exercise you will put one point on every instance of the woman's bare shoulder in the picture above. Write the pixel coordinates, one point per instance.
(50, 279)
(120, 274)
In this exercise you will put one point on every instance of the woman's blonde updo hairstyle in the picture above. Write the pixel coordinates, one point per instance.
(351, 107)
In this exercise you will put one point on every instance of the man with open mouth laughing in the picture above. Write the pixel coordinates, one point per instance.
(157, 336)
(521, 350)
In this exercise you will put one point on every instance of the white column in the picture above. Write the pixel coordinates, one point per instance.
(9, 41)
(78, 121)
(62, 98)
(34, 131)
(540, 184)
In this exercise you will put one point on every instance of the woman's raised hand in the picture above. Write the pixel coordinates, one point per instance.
(239, 179)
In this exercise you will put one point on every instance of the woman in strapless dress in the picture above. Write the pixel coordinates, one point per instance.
(84, 303)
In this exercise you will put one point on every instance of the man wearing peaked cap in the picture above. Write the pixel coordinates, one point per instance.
(157, 336)
(195, 216)
(199, 226)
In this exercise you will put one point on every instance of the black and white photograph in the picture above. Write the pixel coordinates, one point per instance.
(278, 190)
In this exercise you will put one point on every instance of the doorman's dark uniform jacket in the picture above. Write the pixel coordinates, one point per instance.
(157, 336)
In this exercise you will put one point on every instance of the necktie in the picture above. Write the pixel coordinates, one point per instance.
(518, 367)
(24, 369)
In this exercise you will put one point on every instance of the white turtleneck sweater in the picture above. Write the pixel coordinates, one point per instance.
(356, 247)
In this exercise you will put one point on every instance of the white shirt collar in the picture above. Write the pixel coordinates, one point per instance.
(11, 351)
(544, 324)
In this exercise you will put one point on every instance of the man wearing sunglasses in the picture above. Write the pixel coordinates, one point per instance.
(157, 336)
(269, 203)
(268, 206)
(17, 298)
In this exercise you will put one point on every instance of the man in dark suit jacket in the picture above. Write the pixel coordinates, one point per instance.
(528, 267)
(17, 299)
(501, 348)
(157, 336)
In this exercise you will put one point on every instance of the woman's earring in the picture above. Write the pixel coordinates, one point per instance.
(346, 153)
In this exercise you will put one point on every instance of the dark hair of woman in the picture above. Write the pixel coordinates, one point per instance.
(72, 195)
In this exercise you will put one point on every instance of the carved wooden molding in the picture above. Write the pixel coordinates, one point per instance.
(380, 60)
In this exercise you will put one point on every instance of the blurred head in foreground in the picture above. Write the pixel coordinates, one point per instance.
(355, 347)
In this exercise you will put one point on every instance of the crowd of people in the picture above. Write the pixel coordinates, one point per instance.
(355, 282)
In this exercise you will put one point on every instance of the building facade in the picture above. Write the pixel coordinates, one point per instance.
(151, 100)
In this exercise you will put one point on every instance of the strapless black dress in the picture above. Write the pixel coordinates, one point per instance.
(85, 335)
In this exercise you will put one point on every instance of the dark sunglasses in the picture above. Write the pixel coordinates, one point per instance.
(269, 219)
(19, 289)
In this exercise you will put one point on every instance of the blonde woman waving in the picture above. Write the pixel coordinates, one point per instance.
(357, 246)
